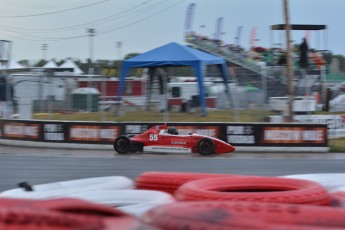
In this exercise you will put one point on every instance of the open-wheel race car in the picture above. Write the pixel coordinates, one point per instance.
(160, 138)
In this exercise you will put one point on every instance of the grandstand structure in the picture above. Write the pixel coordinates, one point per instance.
(264, 68)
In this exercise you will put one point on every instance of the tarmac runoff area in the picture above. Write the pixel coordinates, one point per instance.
(110, 153)
(77, 146)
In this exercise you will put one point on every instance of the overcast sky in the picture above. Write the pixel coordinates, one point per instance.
(142, 25)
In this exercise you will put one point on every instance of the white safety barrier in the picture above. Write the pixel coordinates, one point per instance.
(330, 181)
(134, 202)
(61, 188)
(340, 189)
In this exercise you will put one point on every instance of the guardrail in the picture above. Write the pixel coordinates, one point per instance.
(253, 137)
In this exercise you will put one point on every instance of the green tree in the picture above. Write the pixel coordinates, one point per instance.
(130, 55)
(24, 62)
(40, 63)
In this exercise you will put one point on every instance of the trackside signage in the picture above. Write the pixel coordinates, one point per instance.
(293, 135)
(237, 134)
(92, 133)
(54, 132)
(336, 123)
(241, 134)
(19, 130)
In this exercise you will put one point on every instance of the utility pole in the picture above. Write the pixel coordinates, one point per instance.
(289, 63)
(118, 45)
(44, 51)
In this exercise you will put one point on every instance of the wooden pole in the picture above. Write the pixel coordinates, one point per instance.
(290, 89)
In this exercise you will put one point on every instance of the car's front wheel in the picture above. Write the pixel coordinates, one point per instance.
(122, 145)
(205, 146)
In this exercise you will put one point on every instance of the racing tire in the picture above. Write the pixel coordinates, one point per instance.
(64, 214)
(170, 181)
(243, 215)
(255, 188)
(122, 145)
(205, 146)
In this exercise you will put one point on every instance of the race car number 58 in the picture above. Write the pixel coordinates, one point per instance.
(153, 137)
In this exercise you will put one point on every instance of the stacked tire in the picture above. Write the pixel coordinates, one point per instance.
(179, 200)
(226, 201)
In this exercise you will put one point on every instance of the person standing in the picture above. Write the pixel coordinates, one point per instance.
(303, 54)
(303, 64)
(6, 98)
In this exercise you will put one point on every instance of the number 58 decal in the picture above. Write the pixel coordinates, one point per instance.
(153, 137)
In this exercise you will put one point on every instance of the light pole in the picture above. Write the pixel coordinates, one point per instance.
(44, 51)
(202, 27)
(5, 52)
(118, 45)
(91, 33)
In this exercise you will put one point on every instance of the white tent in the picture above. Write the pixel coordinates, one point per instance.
(12, 64)
(50, 64)
(70, 64)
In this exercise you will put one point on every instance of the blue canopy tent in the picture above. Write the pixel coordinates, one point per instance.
(174, 54)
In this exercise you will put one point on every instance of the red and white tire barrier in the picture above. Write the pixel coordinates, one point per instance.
(170, 181)
(338, 199)
(63, 214)
(244, 215)
(249, 188)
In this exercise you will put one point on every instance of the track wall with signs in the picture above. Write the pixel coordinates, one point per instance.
(249, 137)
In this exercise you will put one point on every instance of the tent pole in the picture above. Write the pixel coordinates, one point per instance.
(149, 83)
(121, 85)
(200, 73)
(164, 98)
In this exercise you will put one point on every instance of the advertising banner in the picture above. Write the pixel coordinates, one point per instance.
(53, 132)
(241, 134)
(336, 123)
(266, 134)
(293, 135)
(21, 130)
(237, 134)
(93, 133)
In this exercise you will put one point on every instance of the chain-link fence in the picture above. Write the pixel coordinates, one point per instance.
(66, 93)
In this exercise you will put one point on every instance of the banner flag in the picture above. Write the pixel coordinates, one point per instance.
(189, 17)
(238, 35)
(252, 38)
(219, 28)
(2, 50)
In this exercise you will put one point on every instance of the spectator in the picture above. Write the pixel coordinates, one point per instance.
(303, 54)
(282, 59)
(6, 98)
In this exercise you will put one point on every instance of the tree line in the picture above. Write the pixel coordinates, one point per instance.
(100, 65)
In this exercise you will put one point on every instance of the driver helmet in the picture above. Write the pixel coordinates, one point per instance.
(173, 131)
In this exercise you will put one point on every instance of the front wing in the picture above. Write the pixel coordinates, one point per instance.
(167, 149)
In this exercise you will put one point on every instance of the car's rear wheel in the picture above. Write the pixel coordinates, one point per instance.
(205, 146)
(122, 145)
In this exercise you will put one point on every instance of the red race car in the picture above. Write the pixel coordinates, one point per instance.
(160, 138)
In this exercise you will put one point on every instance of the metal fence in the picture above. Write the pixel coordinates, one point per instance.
(248, 89)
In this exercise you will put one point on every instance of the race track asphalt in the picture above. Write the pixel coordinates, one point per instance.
(43, 165)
